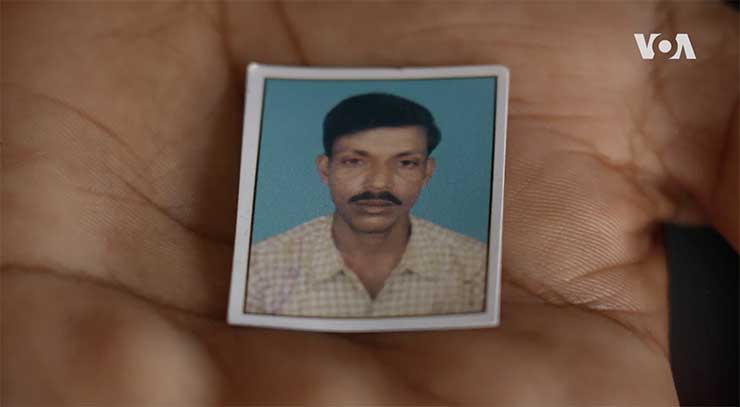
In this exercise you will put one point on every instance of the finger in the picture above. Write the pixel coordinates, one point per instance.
(692, 128)
(723, 205)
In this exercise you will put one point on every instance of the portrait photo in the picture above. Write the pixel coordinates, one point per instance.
(370, 199)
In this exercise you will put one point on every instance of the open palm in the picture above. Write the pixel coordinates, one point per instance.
(121, 138)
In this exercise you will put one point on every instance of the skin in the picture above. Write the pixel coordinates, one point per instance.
(372, 234)
(121, 134)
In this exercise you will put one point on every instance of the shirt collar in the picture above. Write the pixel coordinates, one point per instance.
(422, 256)
(327, 261)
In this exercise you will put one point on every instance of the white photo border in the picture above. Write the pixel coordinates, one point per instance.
(255, 85)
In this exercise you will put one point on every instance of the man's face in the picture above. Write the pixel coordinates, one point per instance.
(376, 175)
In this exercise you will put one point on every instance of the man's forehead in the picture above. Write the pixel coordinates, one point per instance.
(384, 140)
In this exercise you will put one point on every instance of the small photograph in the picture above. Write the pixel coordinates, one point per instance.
(370, 199)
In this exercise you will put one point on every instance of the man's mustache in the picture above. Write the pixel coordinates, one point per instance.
(367, 195)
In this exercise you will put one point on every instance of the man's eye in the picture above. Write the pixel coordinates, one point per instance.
(351, 161)
(409, 163)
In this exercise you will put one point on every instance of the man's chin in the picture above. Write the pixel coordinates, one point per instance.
(372, 224)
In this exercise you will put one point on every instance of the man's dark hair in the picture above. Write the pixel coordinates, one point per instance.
(373, 110)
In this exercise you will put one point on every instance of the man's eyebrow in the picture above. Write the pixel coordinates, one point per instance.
(362, 153)
(409, 153)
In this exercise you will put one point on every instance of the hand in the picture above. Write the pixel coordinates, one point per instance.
(122, 126)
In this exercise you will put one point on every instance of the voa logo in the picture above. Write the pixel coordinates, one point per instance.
(682, 42)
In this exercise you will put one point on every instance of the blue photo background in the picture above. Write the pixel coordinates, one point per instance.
(289, 192)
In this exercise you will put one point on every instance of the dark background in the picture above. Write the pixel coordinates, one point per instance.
(703, 272)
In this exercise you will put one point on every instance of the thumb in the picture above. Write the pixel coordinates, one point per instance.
(723, 202)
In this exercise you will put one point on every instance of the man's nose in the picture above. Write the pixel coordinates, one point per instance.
(380, 178)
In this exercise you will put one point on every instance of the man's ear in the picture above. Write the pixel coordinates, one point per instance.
(322, 166)
(430, 167)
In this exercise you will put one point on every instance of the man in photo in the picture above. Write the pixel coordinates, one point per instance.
(370, 258)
